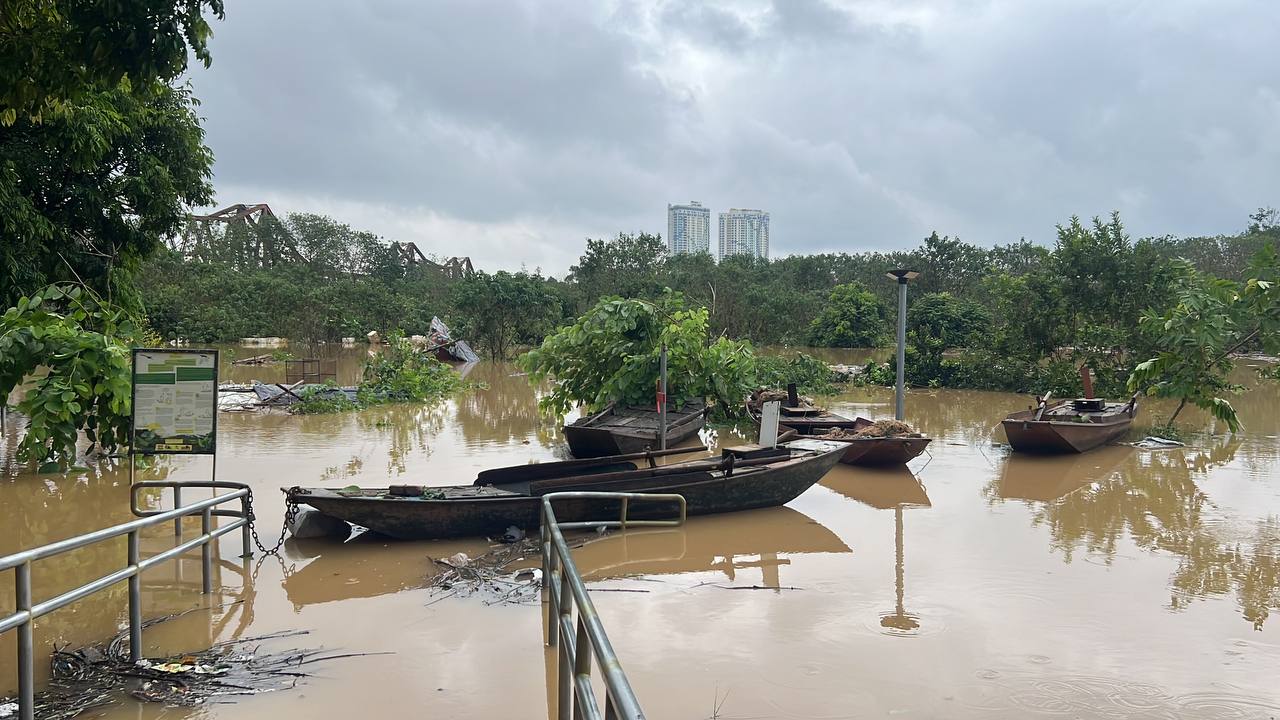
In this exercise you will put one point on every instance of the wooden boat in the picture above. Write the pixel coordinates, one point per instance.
(624, 430)
(1070, 426)
(811, 422)
(741, 479)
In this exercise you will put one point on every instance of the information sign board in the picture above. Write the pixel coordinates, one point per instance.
(175, 401)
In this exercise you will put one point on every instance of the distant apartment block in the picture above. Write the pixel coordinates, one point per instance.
(744, 232)
(688, 229)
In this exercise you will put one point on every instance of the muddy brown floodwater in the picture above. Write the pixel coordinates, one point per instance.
(1123, 583)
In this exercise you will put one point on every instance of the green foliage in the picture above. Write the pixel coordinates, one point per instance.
(936, 323)
(88, 193)
(54, 52)
(1194, 337)
(625, 266)
(346, 283)
(611, 354)
(82, 344)
(322, 400)
(502, 310)
(852, 317)
(399, 373)
(811, 375)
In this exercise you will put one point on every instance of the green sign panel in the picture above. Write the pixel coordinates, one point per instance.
(175, 401)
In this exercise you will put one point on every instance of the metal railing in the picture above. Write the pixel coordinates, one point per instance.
(563, 589)
(21, 562)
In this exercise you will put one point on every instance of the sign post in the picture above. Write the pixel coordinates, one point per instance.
(175, 407)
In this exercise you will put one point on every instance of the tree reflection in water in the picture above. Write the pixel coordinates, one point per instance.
(1152, 498)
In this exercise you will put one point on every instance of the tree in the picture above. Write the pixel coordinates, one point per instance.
(625, 266)
(851, 317)
(55, 53)
(1195, 337)
(82, 342)
(89, 192)
(611, 354)
(937, 322)
(504, 309)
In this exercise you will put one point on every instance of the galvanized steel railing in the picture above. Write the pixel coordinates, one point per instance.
(21, 562)
(563, 589)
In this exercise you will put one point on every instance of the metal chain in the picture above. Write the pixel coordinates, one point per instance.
(290, 512)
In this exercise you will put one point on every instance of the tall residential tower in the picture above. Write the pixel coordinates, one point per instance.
(744, 232)
(688, 229)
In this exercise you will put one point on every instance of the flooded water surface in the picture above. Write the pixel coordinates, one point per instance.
(1123, 583)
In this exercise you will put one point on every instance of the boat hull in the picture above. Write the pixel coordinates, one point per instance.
(1050, 437)
(866, 452)
(704, 492)
(601, 440)
(878, 452)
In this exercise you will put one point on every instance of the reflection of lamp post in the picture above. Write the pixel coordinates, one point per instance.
(902, 277)
(899, 619)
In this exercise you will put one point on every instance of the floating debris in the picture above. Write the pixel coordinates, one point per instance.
(508, 573)
(100, 675)
(1151, 442)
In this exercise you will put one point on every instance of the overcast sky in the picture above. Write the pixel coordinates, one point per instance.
(510, 131)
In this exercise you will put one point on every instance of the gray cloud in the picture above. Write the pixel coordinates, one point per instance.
(508, 131)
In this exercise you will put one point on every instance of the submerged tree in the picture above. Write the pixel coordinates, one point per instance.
(852, 318)
(611, 354)
(1209, 320)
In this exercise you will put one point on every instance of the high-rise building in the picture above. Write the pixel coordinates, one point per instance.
(744, 232)
(688, 229)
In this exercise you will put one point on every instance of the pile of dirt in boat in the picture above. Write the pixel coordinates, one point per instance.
(99, 675)
(877, 429)
(763, 395)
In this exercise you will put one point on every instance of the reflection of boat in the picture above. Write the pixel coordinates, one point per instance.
(712, 543)
(343, 571)
(1047, 478)
(727, 484)
(894, 489)
(618, 431)
(881, 488)
(1073, 426)
(870, 451)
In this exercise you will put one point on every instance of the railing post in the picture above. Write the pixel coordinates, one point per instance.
(246, 510)
(581, 664)
(565, 616)
(206, 552)
(177, 503)
(135, 601)
(26, 644)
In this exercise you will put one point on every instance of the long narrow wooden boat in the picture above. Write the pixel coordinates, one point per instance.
(623, 430)
(866, 451)
(1070, 426)
(741, 479)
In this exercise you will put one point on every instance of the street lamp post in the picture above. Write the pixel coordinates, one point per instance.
(902, 276)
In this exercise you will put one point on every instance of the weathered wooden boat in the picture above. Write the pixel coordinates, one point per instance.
(624, 430)
(811, 422)
(741, 479)
(1071, 426)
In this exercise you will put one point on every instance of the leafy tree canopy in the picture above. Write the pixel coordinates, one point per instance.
(612, 354)
(55, 53)
(852, 317)
(88, 193)
(504, 309)
(1194, 337)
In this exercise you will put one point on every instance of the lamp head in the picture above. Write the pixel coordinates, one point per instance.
(902, 275)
